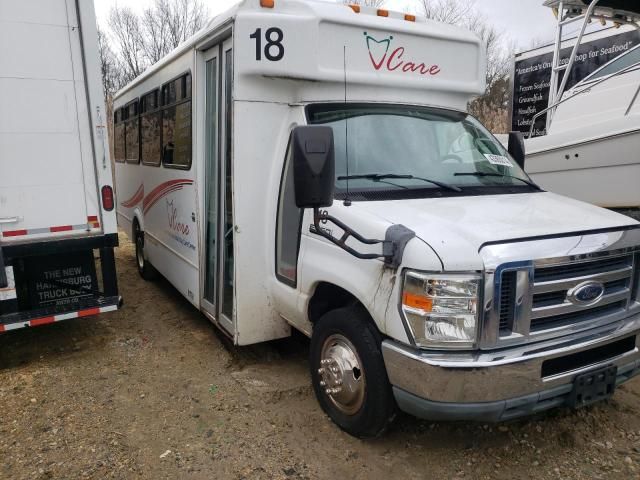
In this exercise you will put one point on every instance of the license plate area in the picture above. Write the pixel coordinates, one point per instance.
(594, 386)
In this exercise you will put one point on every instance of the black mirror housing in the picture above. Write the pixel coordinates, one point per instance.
(516, 148)
(313, 166)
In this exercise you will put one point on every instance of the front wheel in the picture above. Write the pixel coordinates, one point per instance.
(348, 373)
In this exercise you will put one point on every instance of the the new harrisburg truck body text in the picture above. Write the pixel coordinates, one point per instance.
(429, 271)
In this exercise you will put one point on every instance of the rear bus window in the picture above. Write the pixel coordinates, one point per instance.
(132, 133)
(118, 136)
(150, 129)
(176, 123)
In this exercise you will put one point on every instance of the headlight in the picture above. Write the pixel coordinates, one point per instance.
(441, 310)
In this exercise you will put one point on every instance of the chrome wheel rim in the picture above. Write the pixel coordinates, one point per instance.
(341, 375)
(140, 252)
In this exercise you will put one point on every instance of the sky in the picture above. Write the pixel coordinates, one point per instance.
(522, 22)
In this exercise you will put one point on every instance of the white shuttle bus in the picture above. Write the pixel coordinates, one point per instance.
(58, 226)
(311, 166)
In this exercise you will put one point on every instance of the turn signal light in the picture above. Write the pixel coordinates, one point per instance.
(419, 302)
(267, 3)
(107, 198)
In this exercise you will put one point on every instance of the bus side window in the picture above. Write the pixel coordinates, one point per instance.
(288, 228)
(176, 123)
(150, 129)
(118, 136)
(132, 133)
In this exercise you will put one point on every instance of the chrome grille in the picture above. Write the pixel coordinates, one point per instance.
(508, 299)
(551, 307)
(563, 286)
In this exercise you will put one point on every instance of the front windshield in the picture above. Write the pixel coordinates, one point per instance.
(624, 61)
(398, 148)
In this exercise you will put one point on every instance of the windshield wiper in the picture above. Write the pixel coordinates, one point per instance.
(376, 177)
(500, 175)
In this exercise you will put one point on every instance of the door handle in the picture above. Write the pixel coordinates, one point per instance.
(5, 220)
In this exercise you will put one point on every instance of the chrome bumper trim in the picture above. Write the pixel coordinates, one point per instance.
(503, 374)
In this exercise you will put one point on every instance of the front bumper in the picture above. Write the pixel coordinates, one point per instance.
(509, 383)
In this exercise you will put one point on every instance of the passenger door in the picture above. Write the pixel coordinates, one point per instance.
(218, 268)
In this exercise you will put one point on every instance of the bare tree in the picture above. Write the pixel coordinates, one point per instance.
(156, 31)
(455, 12)
(111, 78)
(127, 33)
(493, 106)
(142, 40)
(183, 18)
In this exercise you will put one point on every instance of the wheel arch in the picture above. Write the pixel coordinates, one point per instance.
(328, 296)
(137, 220)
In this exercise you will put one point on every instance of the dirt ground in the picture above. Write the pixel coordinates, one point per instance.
(154, 392)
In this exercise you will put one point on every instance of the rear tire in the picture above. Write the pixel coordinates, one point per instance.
(145, 269)
(348, 373)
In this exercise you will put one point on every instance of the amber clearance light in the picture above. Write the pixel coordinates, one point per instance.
(418, 302)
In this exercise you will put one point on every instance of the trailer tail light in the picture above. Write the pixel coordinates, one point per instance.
(107, 198)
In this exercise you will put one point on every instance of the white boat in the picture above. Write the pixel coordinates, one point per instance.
(592, 149)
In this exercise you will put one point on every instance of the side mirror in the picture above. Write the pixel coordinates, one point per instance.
(516, 148)
(313, 166)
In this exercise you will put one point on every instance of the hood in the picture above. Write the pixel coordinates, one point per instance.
(457, 227)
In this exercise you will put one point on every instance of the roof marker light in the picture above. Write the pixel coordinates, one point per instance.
(409, 18)
(383, 13)
(267, 3)
(355, 8)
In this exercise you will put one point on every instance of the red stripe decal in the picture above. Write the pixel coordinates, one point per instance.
(137, 197)
(64, 228)
(88, 313)
(160, 197)
(159, 190)
(42, 321)
(92, 218)
(14, 233)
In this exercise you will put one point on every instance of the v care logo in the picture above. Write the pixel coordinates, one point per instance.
(381, 59)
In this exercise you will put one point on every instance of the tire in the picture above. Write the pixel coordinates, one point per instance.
(145, 269)
(340, 338)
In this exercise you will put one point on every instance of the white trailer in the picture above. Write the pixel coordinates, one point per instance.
(312, 166)
(56, 196)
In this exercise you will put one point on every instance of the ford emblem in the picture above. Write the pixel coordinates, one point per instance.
(587, 293)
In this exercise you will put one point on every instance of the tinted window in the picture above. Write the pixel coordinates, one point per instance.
(132, 133)
(150, 132)
(151, 129)
(625, 61)
(119, 138)
(288, 228)
(176, 124)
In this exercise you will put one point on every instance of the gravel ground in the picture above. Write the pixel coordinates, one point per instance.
(153, 391)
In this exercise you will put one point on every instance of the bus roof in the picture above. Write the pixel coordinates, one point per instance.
(313, 48)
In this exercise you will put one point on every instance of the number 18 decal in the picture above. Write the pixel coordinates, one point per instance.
(273, 49)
